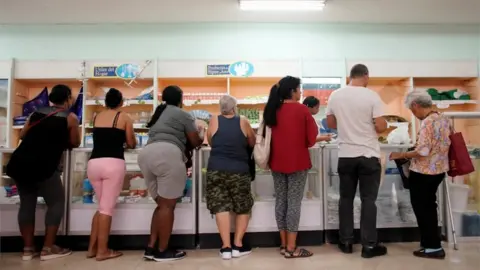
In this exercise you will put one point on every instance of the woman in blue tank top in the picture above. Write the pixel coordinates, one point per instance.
(228, 175)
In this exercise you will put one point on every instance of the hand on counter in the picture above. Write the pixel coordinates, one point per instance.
(396, 155)
(324, 138)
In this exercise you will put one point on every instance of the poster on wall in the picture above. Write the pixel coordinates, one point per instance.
(3, 112)
(237, 69)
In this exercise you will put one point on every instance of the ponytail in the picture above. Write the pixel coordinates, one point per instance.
(156, 115)
(171, 95)
(273, 104)
(280, 92)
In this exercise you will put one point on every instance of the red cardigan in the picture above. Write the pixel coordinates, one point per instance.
(295, 132)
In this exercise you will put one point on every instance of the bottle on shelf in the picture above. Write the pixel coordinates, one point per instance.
(87, 191)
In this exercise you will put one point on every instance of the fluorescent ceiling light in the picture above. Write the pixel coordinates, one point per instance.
(282, 5)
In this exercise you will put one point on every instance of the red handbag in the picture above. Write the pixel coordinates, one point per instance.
(458, 157)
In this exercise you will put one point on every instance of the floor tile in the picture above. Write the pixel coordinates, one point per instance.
(326, 257)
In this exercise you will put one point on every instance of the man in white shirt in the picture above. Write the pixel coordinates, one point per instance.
(356, 112)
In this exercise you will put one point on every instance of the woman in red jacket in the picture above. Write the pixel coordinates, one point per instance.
(293, 131)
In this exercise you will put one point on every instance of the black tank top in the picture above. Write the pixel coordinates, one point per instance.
(229, 147)
(108, 141)
(39, 154)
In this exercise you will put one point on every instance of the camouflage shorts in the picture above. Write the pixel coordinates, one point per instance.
(229, 192)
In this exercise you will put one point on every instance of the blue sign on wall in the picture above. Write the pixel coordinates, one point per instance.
(237, 69)
(104, 72)
(124, 71)
(241, 69)
(218, 70)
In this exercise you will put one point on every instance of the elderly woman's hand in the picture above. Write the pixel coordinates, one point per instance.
(396, 155)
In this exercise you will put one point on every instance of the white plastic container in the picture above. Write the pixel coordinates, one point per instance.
(459, 196)
(458, 221)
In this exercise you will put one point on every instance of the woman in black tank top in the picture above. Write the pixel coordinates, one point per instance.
(35, 168)
(106, 170)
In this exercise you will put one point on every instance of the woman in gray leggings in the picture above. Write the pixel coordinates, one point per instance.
(34, 166)
(293, 131)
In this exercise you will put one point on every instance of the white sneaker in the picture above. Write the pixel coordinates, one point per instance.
(226, 253)
(238, 252)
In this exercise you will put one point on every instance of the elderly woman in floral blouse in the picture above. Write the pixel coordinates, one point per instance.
(429, 162)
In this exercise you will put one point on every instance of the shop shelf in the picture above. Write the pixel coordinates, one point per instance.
(24, 90)
(128, 102)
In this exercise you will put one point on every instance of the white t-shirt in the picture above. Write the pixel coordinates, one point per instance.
(355, 108)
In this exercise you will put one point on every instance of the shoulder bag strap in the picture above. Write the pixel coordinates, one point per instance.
(47, 116)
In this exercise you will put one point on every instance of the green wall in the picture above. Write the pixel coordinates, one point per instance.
(240, 41)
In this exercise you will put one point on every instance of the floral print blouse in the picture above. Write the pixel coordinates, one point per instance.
(433, 143)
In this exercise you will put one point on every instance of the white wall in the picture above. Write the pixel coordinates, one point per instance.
(240, 41)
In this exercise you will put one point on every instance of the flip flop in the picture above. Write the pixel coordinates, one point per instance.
(302, 253)
(91, 256)
(112, 255)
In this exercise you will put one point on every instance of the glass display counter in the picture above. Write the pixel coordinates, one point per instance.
(465, 190)
(263, 212)
(10, 201)
(134, 209)
(394, 209)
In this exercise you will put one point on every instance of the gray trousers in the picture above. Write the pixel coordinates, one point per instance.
(289, 188)
(365, 172)
(52, 192)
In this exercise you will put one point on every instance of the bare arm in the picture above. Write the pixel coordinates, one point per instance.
(380, 124)
(377, 114)
(248, 130)
(131, 141)
(191, 131)
(25, 129)
(73, 124)
(331, 121)
(212, 126)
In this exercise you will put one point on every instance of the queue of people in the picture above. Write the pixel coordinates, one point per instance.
(355, 111)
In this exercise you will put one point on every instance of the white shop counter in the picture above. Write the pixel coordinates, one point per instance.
(263, 212)
(394, 209)
(134, 208)
(10, 201)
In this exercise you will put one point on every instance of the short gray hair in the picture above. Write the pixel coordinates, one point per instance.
(227, 104)
(419, 97)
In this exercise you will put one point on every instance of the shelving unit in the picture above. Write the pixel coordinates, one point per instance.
(4, 106)
(465, 190)
(263, 213)
(10, 203)
(27, 89)
(198, 93)
(394, 210)
(391, 79)
(469, 85)
(139, 110)
(134, 208)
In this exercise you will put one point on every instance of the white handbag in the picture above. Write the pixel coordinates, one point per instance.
(261, 150)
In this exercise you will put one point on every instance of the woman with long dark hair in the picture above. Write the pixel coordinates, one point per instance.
(106, 169)
(293, 131)
(35, 167)
(172, 136)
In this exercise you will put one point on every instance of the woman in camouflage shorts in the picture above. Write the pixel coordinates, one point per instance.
(228, 177)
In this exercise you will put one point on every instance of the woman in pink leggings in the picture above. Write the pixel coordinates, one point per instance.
(106, 170)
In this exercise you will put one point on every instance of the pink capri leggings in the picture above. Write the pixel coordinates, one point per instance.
(106, 176)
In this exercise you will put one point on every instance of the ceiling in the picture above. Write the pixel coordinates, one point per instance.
(176, 11)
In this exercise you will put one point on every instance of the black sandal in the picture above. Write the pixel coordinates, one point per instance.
(302, 253)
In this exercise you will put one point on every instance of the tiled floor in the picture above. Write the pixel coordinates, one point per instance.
(326, 257)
